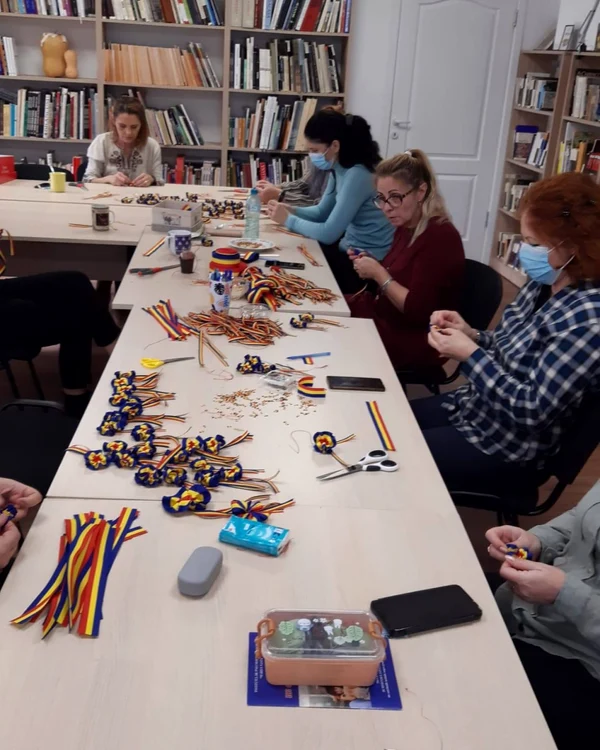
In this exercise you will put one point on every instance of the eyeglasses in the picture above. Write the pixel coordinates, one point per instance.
(394, 201)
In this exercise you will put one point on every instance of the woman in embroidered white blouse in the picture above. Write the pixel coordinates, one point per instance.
(126, 155)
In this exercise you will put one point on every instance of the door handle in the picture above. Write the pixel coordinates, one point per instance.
(402, 124)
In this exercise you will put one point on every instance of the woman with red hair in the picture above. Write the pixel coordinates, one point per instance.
(528, 377)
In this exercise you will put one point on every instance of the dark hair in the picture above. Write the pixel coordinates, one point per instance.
(352, 131)
(565, 209)
(129, 105)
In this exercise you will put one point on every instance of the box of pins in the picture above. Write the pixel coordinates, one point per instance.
(170, 214)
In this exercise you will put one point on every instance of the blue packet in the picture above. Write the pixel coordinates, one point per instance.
(260, 537)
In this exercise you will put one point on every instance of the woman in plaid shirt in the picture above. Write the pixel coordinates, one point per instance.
(528, 377)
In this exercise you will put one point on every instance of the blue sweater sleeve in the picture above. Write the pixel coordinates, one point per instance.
(329, 227)
(321, 210)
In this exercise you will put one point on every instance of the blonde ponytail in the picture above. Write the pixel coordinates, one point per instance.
(414, 168)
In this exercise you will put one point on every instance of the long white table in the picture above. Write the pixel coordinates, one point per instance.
(282, 433)
(167, 671)
(141, 291)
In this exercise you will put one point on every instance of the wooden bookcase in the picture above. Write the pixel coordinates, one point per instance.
(214, 103)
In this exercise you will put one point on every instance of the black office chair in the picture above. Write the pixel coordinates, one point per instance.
(39, 172)
(578, 443)
(81, 170)
(20, 342)
(481, 298)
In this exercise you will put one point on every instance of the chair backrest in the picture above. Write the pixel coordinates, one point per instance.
(578, 442)
(482, 294)
(38, 172)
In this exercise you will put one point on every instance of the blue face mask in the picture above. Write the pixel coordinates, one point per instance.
(320, 161)
(534, 261)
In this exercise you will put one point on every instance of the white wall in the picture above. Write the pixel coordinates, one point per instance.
(541, 16)
(574, 12)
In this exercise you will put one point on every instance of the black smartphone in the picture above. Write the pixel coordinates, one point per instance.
(420, 611)
(354, 384)
(286, 264)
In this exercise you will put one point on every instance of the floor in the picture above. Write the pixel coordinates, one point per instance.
(476, 522)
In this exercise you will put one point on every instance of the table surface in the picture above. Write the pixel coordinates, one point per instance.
(25, 190)
(141, 291)
(167, 671)
(282, 430)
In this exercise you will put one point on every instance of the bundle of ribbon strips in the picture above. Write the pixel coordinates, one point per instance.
(74, 594)
(279, 286)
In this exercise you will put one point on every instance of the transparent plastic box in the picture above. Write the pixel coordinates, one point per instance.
(304, 647)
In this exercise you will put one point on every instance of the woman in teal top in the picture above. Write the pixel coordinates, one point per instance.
(346, 217)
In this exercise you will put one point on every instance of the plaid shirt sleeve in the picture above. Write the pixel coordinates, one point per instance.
(486, 339)
(565, 371)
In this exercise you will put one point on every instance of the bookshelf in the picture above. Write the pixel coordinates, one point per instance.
(516, 172)
(211, 110)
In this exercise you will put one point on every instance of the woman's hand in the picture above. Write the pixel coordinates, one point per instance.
(533, 581)
(500, 536)
(19, 495)
(119, 179)
(452, 343)
(369, 268)
(451, 319)
(278, 212)
(9, 543)
(267, 192)
(143, 180)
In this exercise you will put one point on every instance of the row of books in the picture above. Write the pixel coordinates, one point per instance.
(277, 171)
(580, 153)
(586, 95)
(272, 126)
(8, 57)
(508, 249)
(530, 145)
(163, 66)
(536, 91)
(197, 12)
(191, 173)
(285, 65)
(328, 16)
(79, 8)
(515, 187)
(60, 113)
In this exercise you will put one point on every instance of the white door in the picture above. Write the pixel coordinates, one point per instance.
(450, 84)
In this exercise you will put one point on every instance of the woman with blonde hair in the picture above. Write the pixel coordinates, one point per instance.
(423, 270)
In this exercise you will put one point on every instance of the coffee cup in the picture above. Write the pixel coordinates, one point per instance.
(179, 240)
(102, 217)
(58, 182)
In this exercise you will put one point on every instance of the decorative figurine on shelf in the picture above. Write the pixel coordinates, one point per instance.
(58, 60)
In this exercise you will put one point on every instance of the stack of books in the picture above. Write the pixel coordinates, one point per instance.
(539, 150)
(515, 187)
(196, 12)
(79, 8)
(162, 66)
(206, 173)
(328, 16)
(59, 113)
(285, 65)
(247, 174)
(586, 95)
(530, 145)
(579, 153)
(508, 249)
(536, 91)
(272, 126)
(8, 57)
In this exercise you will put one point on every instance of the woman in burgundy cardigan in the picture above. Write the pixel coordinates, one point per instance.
(422, 272)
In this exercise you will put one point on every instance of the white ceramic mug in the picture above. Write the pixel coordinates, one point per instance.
(179, 240)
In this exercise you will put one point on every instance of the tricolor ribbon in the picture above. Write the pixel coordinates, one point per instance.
(306, 388)
(255, 508)
(380, 428)
(167, 318)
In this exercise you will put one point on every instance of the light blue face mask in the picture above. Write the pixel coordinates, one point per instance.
(320, 161)
(534, 261)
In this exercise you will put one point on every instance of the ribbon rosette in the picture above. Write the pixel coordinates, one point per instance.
(114, 446)
(143, 431)
(112, 422)
(144, 451)
(254, 364)
(324, 442)
(133, 407)
(96, 460)
(149, 476)
(213, 445)
(192, 499)
(192, 445)
(176, 476)
(124, 459)
(209, 477)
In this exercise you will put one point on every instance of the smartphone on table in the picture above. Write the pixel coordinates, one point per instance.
(336, 383)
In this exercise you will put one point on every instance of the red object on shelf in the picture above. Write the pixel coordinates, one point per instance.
(7, 168)
(179, 170)
(75, 164)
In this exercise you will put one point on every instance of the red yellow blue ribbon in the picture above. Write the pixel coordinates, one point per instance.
(380, 428)
(167, 318)
(306, 388)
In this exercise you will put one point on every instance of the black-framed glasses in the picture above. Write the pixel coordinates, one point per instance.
(395, 200)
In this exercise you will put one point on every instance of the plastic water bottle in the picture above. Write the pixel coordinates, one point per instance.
(251, 230)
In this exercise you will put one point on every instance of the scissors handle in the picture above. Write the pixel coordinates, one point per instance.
(386, 465)
(373, 457)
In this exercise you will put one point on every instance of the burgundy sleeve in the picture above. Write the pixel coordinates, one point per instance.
(437, 274)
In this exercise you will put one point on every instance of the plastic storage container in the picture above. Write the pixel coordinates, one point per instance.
(303, 647)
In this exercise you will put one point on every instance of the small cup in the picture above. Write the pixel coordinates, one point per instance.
(58, 182)
(102, 217)
(179, 240)
(186, 261)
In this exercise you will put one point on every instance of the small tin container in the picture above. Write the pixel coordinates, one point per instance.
(316, 647)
